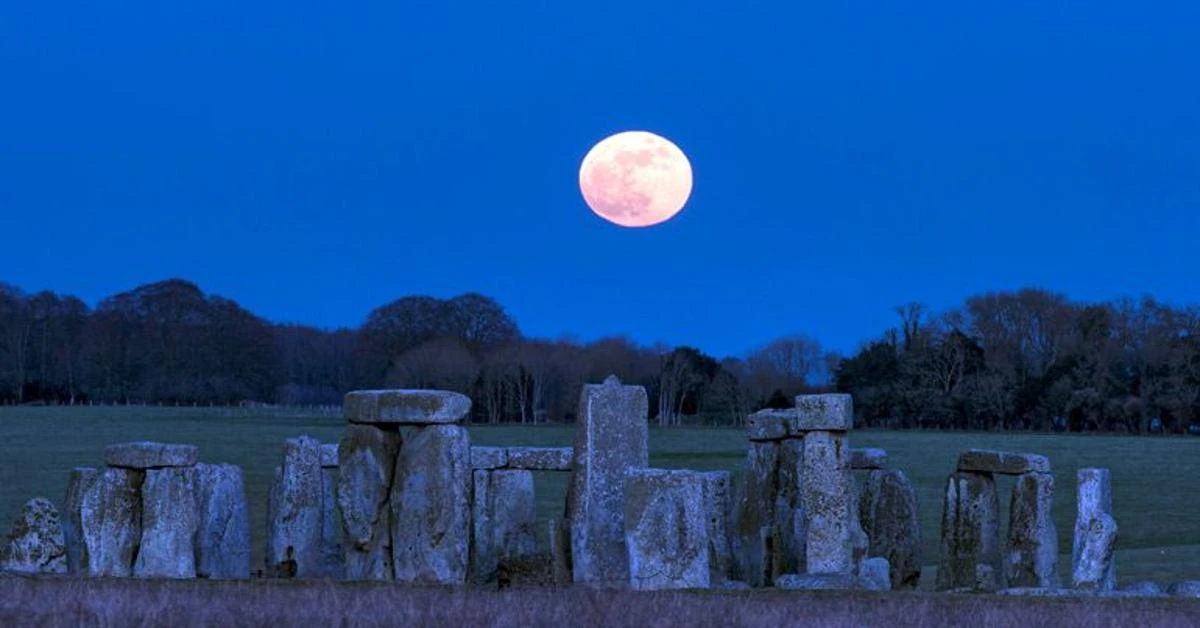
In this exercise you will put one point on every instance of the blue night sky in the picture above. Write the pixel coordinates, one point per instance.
(315, 160)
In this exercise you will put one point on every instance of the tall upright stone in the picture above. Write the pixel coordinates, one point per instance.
(366, 464)
(169, 524)
(970, 530)
(610, 440)
(1032, 557)
(430, 506)
(223, 538)
(77, 485)
(297, 518)
(332, 557)
(755, 512)
(888, 514)
(666, 520)
(718, 504)
(789, 525)
(826, 499)
(503, 520)
(111, 521)
(1094, 500)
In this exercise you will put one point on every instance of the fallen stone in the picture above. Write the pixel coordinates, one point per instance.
(366, 465)
(406, 407)
(827, 412)
(825, 496)
(297, 522)
(540, 458)
(111, 521)
(1002, 462)
(868, 458)
(169, 524)
(1096, 554)
(36, 543)
(430, 506)
(150, 455)
(610, 440)
(223, 538)
(329, 455)
(1094, 498)
(489, 457)
(877, 571)
(77, 485)
(970, 530)
(1032, 552)
(1187, 588)
(666, 526)
(717, 507)
(888, 515)
(825, 582)
(503, 519)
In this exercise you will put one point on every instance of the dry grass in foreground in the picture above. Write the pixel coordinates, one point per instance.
(65, 601)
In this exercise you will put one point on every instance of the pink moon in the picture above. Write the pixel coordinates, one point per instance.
(635, 179)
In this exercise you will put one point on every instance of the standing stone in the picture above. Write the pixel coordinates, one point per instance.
(77, 485)
(36, 543)
(755, 511)
(297, 520)
(1032, 559)
(888, 513)
(666, 530)
(1094, 565)
(503, 517)
(717, 507)
(826, 500)
(560, 559)
(169, 523)
(366, 464)
(1094, 499)
(970, 530)
(859, 543)
(789, 528)
(430, 506)
(274, 493)
(223, 539)
(610, 440)
(332, 556)
(111, 521)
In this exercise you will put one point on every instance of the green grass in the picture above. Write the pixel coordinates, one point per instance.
(1156, 481)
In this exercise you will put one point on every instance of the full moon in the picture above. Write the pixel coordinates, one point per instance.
(635, 179)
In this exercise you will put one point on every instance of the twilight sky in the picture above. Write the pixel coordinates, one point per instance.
(313, 160)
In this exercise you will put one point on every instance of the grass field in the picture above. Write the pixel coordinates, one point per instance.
(1156, 480)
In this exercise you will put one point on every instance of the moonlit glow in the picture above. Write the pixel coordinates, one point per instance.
(635, 179)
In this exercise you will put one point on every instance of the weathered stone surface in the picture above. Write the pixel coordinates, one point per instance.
(754, 511)
(827, 412)
(223, 538)
(877, 571)
(1094, 498)
(788, 534)
(1002, 462)
(1099, 540)
(1038, 592)
(825, 582)
(430, 506)
(769, 424)
(1187, 588)
(560, 543)
(366, 465)
(987, 578)
(274, 492)
(77, 485)
(1032, 553)
(666, 522)
(610, 440)
(718, 505)
(297, 519)
(169, 523)
(36, 543)
(111, 521)
(826, 495)
(406, 407)
(151, 455)
(888, 514)
(540, 458)
(868, 458)
(332, 553)
(1143, 588)
(503, 520)
(859, 543)
(329, 455)
(489, 457)
(970, 530)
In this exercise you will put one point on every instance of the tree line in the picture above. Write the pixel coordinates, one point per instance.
(1023, 360)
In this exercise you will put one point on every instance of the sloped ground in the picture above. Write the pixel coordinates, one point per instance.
(64, 601)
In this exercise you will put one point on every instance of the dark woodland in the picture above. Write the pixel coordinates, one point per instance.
(1024, 360)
